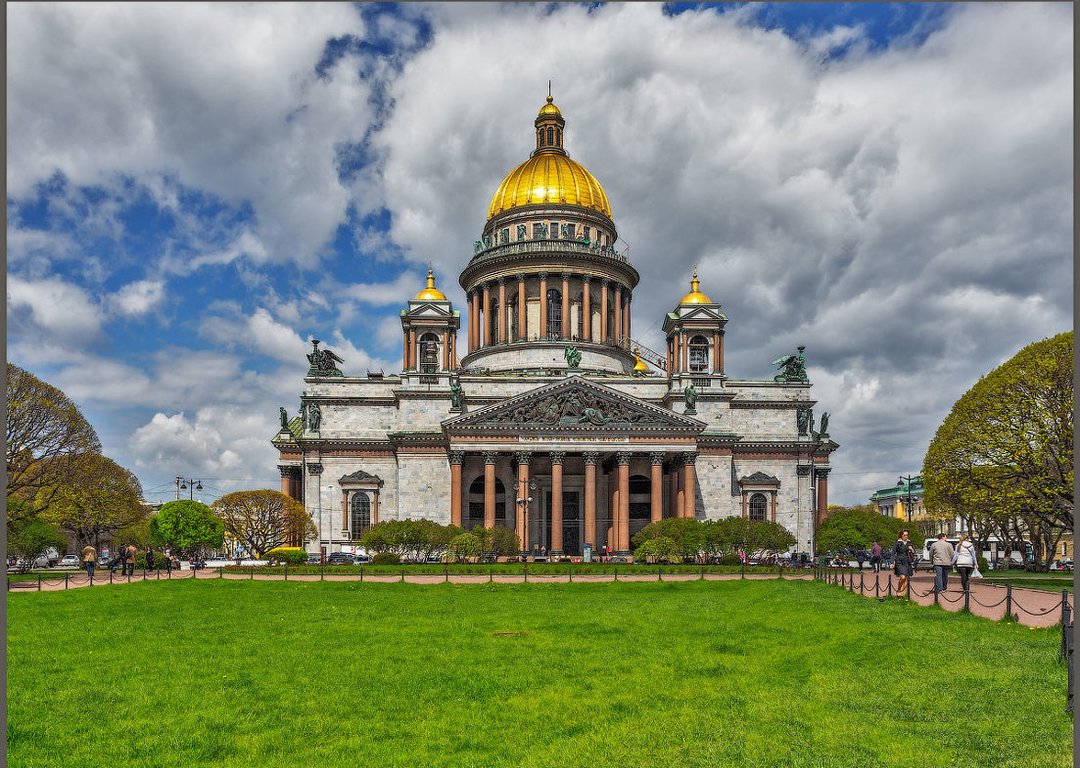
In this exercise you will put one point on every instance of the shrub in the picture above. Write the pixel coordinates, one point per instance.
(660, 549)
(984, 566)
(290, 555)
(463, 546)
(386, 558)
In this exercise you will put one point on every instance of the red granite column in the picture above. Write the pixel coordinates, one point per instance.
(690, 481)
(375, 508)
(543, 306)
(456, 459)
(286, 480)
(523, 331)
(680, 501)
(590, 497)
(683, 366)
(412, 351)
(586, 309)
(557, 502)
(345, 510)
(626, 316)
(674, 500)
(474, 321)
(603, 311)
(485, 337)
(405, 349)
(523, 492)
(822, 493)
(623, 526)
(773, 505)
(503, 317)
(489, 488)
(617, 332)
(565, 332)
(656, 487)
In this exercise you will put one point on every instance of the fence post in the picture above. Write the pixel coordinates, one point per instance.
(779, 570)
(907, 586)
(446, 573)
(1008, 600)
(402, 575)
(616, 573)
(286, 571)
(967, 597)
(39, 581)
(702, 574)
(220, 572)
(742, 573)
(525, 566)
(490, 576)
(322, 572)
(1065, 612)
(860, 582)
(65, 581)
(890, 593)
(1064, 607)
(877, 585)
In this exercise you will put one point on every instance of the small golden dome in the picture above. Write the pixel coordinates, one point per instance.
(549, 109)
(695, 296)
(431, 293)
(640, 365)
(547, 178)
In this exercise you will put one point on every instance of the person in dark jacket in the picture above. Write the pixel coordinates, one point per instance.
(875, 557)
(903, 557)
(149, 558)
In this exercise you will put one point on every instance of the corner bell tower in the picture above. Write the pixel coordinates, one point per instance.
(429, 329)
(695, 335)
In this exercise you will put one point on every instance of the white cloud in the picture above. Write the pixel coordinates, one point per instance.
(138, 298)
(60, 309)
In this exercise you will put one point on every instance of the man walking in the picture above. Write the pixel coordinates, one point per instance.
(875, 556)
(89, 558)
(941, 557)
(129, 559)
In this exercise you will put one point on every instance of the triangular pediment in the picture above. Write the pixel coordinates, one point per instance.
(573, 405)
(428, 309)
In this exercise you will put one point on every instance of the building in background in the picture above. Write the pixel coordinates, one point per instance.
(550, 418)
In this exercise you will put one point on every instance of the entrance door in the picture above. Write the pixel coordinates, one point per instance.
(571, 507)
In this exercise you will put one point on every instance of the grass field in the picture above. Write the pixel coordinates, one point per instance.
(738, 673)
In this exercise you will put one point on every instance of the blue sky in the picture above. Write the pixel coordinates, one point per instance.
(196, 190)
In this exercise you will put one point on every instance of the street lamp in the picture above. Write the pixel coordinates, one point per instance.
(329, 529)
(906, 494)
(190, 485)
(524, 502)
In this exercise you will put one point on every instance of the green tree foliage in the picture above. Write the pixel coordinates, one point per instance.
(97, 499)
(188, 527)
(687, 533)
(44, 430)
(263, 520)
(465, 546)
(30, 538)
(660, 549)
(290, 555)
(1005, 451)
(498, 540)
(755, 537)
(857, 527)
(410, 540)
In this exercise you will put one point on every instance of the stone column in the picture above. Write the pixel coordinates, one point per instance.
(623, 524)
(453, 349)
(503, 314)
(543, 306)
(489, 488)
(717, 358)
(565, 334)
(345, 509)
(405, 348)
(690, 481)
(678, 486)
(744, 497)
(556, 502)
(590, 497)
(670, 356)
(375, 507)
(822, 474)
(286, 480)
(586, 309)
(523, 458)
(523, 331)
(603, 310)
(656, 487)
(456, 460)
(413, 356)
(773, 505)
(626, 316)
(446, 349)
(685, 366)
(616, 334)
(485, 337)
(474, 321)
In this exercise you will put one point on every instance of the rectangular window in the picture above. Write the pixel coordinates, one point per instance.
(585, 233)
(538, 231)
(504, 236)
(554, 230)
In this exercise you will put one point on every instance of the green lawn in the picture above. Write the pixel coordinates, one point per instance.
(737, 673)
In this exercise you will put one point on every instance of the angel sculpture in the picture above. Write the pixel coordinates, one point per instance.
(792, 368)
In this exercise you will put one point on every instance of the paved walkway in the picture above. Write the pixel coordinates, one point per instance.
(1031, 607)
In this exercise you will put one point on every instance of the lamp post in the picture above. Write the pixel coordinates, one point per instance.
(330, 528)
(907, 495)
(524, 502)
(189, 484)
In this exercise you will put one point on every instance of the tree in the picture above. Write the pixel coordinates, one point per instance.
(687, 533)
(856, 528)
(98, 497)
(263, 520)
(1006, 448)
(44, 430)
(659, 549)
(497, 540)
(726, 536)
(30, 538)
(464, 546)
(187, 527)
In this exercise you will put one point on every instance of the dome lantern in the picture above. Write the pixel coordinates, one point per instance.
(430, 293)
(695, 296)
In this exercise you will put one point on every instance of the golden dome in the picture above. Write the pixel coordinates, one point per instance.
(431, 293)
(550, 108)
(695, 296)
(640, 365)
(549, 178)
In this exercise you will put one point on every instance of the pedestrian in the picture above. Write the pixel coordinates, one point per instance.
(149, 558)
(89, 559)
(860, 557)
(966, 560)
(903, 557)
(941, 557)
(130, 553)
(875, 557)
(168, 559)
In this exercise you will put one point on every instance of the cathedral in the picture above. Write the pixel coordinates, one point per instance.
(553, 421)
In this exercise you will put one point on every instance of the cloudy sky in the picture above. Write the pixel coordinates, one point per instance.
(196, 190)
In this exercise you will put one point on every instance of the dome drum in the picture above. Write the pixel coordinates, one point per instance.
(549, 356)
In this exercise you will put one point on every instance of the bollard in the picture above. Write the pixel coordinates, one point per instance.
(571, 571)
(889, 591)
(742, 573)
(402, 575)
(967, 597)
(526, 568)
(65, 581)
(907, 587)
(779, 570)
(491, 578)
(1064, 607)
(877, 585)
(616, 573)
(220, 573)
(39, 581)
(702, 574)
(1008, 600)
(286, 571)
(936, 594)
(659, 570)
(252, 572)
(860, 582)
(446, 574)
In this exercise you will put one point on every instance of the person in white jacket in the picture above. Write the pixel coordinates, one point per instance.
(965, 560)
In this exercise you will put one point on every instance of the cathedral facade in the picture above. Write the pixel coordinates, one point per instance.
(552, 420)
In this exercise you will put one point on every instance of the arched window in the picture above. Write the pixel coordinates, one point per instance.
(476, 503)
(554, 310)
(550, 136)
(359, 513)
(429, 353)
(699, 354)
(758, 507)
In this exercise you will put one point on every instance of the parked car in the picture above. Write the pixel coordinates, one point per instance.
(314, 559)
(69, 561)
(341, 558)
(1065, 565)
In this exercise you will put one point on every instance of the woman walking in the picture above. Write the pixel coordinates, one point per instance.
(903, 556)
(965, 559)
